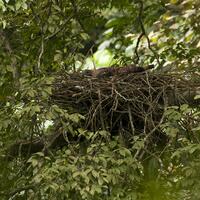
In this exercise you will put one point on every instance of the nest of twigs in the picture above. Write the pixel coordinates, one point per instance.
(124, 104)
(128, 104)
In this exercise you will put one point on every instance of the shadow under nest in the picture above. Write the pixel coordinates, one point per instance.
(124, 104)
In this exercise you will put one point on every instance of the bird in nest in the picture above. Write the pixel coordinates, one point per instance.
(112, 71)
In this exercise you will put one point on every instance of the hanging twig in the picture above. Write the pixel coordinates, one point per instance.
(136, 48)
(131, 119)
(40, 55)
(39, 21)
(144, 34)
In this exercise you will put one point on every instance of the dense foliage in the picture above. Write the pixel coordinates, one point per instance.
(40, 39)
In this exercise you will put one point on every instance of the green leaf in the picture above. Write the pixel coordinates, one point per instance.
(100, 181)
(95, 173)
(10, 68)
(116, 22)
(33, 161)
(197, 97)
(75, 174)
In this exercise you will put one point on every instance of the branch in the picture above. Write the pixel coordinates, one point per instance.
(40, 55)
(39, 21)
(136, 48)
(131, 119)
(60, 29)
(144, 34)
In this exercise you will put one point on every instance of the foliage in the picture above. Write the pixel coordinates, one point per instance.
(40, 39)
(97, 174)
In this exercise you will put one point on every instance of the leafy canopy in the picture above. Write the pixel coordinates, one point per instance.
(39, 39)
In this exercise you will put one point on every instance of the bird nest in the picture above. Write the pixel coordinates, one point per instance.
(128, 104)
(123, 104)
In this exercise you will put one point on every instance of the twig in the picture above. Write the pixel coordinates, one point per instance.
(131, 119)
(101, 111)
(39, 21)
(137, 46)
(60, 29)
(144, 34)
(40, 56)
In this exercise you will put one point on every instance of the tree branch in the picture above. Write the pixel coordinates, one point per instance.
(140, 16)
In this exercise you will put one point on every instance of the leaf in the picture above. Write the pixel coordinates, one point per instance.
(95, 174)
(51, 29)
(171, 131)
(41, 154)
(189, 35)
(173, 1)
(57, 56)
(18, 5)
(2, 6)
(197, 97)
(48, 90)
(31, 93)
(98, 189)
(87, 171)
(100, 181)
(74, 117)
(10, 68)
(86, 178)
(56, 7)
(138, 144)
(196, 128)
(24, 6)
(175, 26)
(87, 188)
(35, 109)
(122, 152)
(75, 174)
(184, 107)
(189, 172)
(4, 23)
(104, 133)
(108, 32)
(54, 186)
(115, 22)
(189, 13)
(33, 161)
